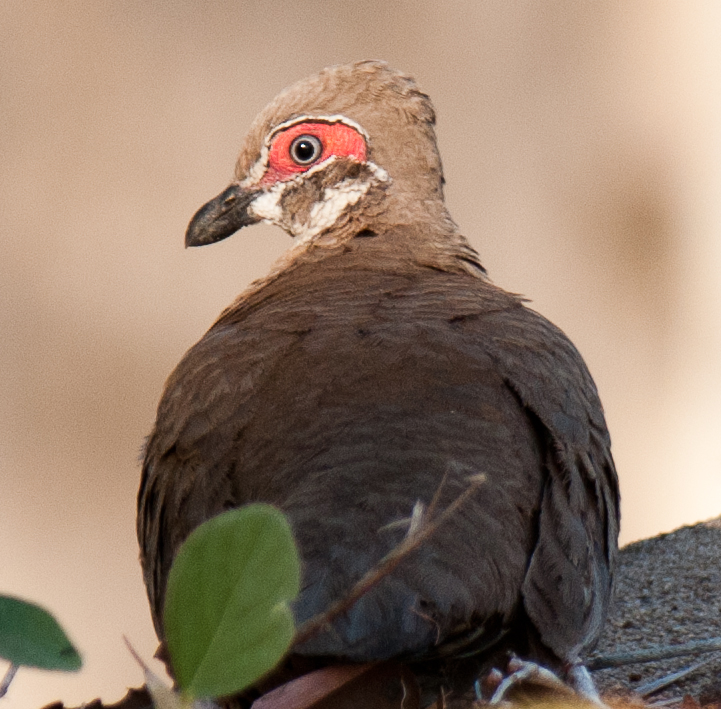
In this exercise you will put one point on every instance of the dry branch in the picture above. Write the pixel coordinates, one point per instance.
(652, 654)
(646, 690)
(419, 531)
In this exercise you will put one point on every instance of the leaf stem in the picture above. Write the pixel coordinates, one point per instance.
(9, 676)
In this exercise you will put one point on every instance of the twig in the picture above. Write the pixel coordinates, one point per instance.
(658, 684)
(651, 654)
(665, 702)
(135, 655)
(386, 565)
(431, 511)
(163, 696)
(9, 676)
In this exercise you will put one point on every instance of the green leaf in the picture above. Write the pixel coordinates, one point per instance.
(30, 636)
(227, 619)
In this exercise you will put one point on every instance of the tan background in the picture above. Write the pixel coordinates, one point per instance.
(582, 147)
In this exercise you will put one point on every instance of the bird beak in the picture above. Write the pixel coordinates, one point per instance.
(221, 217)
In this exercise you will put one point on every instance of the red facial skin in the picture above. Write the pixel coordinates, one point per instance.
(336, 139)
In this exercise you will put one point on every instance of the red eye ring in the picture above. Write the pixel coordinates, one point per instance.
(334, 139)
(305, 149)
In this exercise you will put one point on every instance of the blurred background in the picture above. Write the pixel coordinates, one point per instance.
(582, 149)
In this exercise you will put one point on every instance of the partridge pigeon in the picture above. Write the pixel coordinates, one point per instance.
(376, 368)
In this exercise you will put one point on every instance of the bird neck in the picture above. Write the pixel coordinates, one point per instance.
(426, 240)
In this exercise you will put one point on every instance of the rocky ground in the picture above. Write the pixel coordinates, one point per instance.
(668, 591)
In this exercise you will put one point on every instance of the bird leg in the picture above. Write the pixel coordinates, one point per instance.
(579, 678)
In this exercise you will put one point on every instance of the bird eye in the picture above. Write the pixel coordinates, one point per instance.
(305, 149)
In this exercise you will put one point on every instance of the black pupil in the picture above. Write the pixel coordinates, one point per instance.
(304, 150)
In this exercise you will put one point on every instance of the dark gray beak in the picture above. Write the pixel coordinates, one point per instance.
(221, 217)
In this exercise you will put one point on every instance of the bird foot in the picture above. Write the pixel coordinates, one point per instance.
(528, 680)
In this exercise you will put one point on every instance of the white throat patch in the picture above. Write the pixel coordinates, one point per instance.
(324, 213)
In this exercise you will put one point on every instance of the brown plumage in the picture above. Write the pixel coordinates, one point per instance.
(375, 360)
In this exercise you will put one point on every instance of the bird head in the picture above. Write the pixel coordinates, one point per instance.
(348, 149)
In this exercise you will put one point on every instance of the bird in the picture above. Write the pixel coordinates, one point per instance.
(375, 371)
